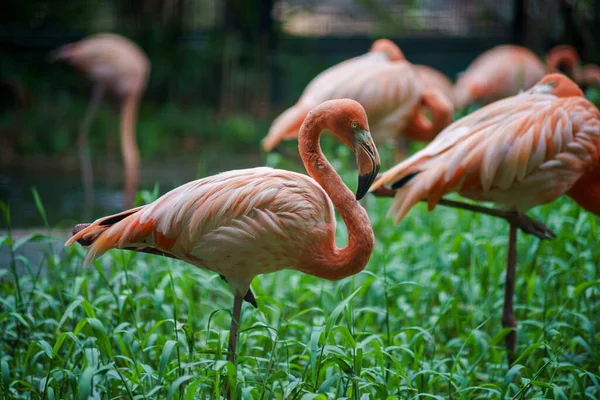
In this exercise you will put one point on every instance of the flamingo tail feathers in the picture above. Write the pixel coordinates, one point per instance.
(95, 237)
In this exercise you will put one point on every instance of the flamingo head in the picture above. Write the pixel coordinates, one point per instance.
(388, 47)
(347, 119)
(558, 85)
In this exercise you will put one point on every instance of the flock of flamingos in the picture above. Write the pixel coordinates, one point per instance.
(537, 139)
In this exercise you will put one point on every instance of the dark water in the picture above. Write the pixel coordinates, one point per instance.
(59, 185)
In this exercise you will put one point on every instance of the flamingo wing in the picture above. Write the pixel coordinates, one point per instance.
(519, 152)
(238, 223)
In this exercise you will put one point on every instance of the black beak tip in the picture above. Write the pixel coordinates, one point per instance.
(364, 183)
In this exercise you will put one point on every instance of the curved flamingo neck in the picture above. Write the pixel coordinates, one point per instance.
(129, 150)
(419, 127)
(564, 57)
(329, 261)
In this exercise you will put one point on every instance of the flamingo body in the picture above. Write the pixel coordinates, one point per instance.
(238, 223)
(518, 152)
(498, 73)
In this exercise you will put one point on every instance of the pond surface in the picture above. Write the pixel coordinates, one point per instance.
(58, 182)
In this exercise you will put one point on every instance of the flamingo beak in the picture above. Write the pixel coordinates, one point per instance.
(368, 162)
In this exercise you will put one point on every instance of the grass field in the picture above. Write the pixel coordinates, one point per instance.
(421, 321)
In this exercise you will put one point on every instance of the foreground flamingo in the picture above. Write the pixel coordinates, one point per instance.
(384, 83)
(518, 152)
(118, 65)
(255, 221)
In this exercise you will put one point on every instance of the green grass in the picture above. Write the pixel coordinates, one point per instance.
(421, 321)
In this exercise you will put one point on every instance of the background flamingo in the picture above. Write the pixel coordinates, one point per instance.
(505, 70)
(118, 65)
(431, 78)
(518, 152)
(248, 222)
(385, 84)
(589, 75)
(498, 73)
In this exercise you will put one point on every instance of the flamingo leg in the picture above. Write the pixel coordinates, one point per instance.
(234, 331)
(84, 155)
(508, 315)
(522, 221)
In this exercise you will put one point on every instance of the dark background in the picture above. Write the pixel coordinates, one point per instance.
(221, 71)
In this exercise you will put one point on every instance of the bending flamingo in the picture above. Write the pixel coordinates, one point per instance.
(518, 152)
(385, 84)
(500, 72)
(118, 65)
(255, 221)
(506, 70)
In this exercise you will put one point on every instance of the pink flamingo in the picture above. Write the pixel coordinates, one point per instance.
(385, 84)
(498, 73)
(247, 222)
(518, 152)
(506, 70)
(114, 64)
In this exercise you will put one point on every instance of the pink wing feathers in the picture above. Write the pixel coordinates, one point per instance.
(241, 215)
(518, 152)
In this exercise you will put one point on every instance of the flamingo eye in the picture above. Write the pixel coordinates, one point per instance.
(354, 125)
(552, 84)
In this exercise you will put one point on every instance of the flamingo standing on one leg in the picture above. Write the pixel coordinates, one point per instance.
(255, 221)
(114, 64)
(385, 84)
(518, 152)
